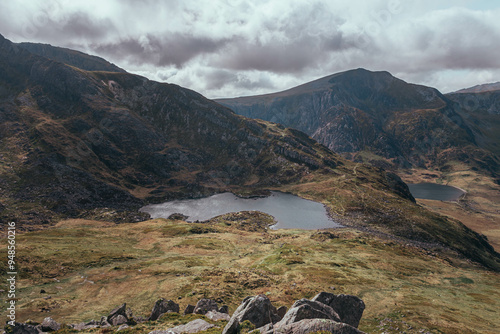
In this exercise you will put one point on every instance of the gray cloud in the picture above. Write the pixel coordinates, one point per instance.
(242, 47)
(173, 49)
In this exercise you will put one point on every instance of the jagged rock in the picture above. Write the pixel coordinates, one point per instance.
(122, 327)
(120, 310)
(216, 316)
(205, 305)
(163, 306)
(349, 308)
(194, 326)
(256, 309)
(119, 320)
(189, 309)
(308, 309)
(20, 328)
(281, 311)
(306, 326)
(224, 309)
(50, 325)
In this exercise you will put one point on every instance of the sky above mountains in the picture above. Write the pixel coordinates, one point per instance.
(230, 48)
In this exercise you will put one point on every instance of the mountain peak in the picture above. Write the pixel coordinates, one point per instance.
(489, 87)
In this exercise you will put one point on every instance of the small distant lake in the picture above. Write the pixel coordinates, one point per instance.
(435, 191)
(289, 211)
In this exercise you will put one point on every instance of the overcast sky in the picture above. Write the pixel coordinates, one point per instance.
(231, 48)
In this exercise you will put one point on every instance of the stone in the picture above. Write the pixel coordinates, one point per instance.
(282, 311)
(308, 309)
(224, 309)
(216, 316)
(50, 325)
(20, 328)
(194, 326)
(119, 320)
(163, 306)
(306, 326)
(105, 323)
(120, 310)
(256, 309)
(205, 305)
(189, 309)
(349, 308)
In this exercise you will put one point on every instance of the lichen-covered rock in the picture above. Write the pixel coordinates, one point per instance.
(306, 326)
(205, 305)
(216, 316)
(189, 309)
(194, 326)
(50, 325)
(308, 309)
(257, 309)
(349, 308)
(119, 311)
(163, 306)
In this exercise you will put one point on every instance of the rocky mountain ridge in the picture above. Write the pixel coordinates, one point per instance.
(377, 118)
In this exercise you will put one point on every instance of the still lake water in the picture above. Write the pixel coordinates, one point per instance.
(435, 191)
(289, 211)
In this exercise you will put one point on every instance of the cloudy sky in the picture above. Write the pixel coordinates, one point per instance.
(227, 48)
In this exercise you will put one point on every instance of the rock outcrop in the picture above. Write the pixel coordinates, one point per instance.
(337, 314)
(257, 309)
(205, 305)
(194, 326)
(349, 308)
(163, 306)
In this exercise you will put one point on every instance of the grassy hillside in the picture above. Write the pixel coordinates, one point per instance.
(89, 267)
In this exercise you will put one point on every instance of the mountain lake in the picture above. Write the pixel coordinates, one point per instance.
(435, 191)
(288, 210)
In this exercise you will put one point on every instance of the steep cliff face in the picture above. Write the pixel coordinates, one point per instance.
(362, 111)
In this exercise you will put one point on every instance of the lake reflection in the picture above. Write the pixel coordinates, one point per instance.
(435, 191)
(290, 211)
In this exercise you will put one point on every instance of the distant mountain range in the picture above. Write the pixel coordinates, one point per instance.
(377, 118)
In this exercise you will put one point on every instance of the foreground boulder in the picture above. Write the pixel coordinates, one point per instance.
(194, 326)
(117, 317)
(349, 308)
(50, 325)
(21, 328)
(257, 309)
(205, 305)
(163, 306)
(216, 316)
(306, 326)
(308, 309)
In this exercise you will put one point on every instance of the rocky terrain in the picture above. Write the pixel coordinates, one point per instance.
(337, 314)
(79, 270)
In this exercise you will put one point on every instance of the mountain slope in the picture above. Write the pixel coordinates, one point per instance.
(71, 57)
(78, 143)
(359, 111)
